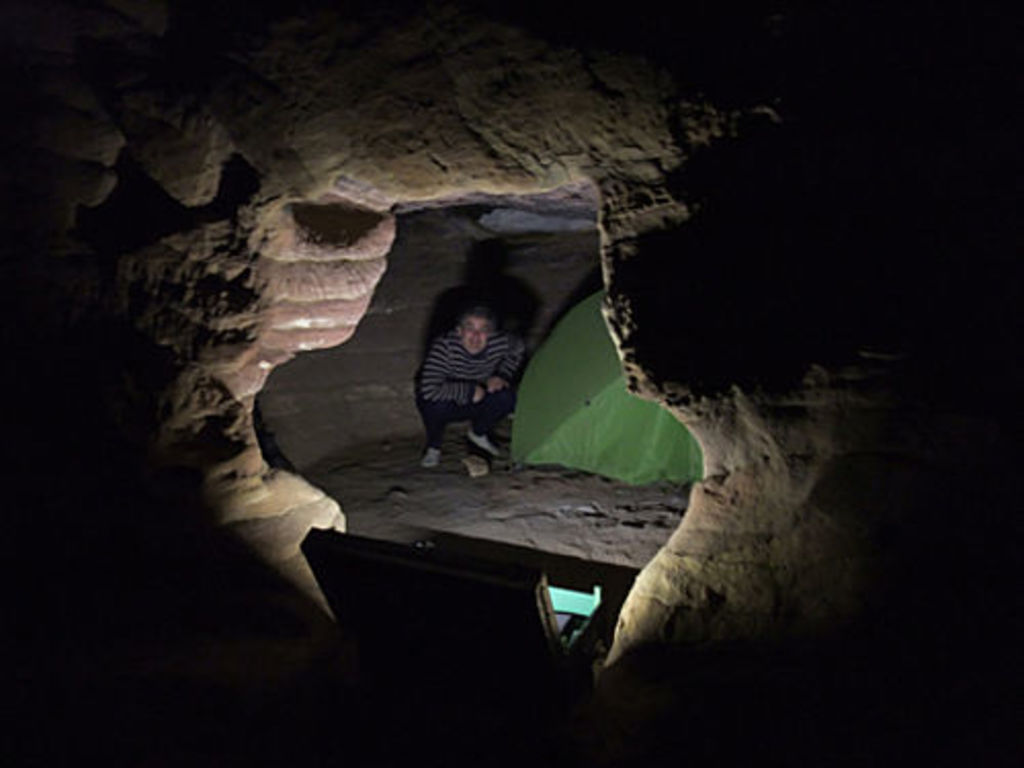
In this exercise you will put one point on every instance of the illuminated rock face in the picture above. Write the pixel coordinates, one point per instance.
(245, 199)
(238, 207)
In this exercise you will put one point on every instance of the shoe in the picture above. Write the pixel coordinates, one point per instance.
(431, 458)
(483, 443)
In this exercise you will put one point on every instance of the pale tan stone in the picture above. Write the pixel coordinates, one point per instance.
(476, 466)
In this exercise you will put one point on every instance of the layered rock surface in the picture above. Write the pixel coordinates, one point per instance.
(194, 198)
(253, 192)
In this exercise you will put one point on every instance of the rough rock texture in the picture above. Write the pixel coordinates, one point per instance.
(784, 535)
(811, 266)
(257, 191)
(257, 184)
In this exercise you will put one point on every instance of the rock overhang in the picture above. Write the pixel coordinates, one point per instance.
(392, 117)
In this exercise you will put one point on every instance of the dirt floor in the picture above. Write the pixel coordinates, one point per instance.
(580, 529)
(386, 494)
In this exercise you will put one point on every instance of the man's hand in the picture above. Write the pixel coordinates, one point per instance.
(478, 393)
(496, 383)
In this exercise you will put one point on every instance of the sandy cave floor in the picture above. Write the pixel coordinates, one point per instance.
(385, 494)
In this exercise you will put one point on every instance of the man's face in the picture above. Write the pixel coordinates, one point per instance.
(474, 332)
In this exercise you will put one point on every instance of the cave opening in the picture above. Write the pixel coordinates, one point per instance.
(345, 417)
(807, 234)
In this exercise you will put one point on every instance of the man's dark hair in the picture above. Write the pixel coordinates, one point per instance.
(478, 310)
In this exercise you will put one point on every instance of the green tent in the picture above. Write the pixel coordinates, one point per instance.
(574, 409)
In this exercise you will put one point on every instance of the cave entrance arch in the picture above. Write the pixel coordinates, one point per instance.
(345, 417)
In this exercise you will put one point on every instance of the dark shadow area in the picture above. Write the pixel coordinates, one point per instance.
(239, 181)
(841, 702)
(485, 281)
(702, 52)
(136, 628)
(455, 652)
(590, 285)
(267, 440)
(332, 225)
(871, 219)
(139, 212)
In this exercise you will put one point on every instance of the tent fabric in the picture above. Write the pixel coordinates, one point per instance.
(574, 409)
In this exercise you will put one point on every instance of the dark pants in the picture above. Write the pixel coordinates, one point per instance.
(483, 415)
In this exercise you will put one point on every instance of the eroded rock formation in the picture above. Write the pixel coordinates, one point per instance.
(267, 172)
(220, 191)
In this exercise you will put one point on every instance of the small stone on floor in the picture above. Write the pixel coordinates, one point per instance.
(476, 466)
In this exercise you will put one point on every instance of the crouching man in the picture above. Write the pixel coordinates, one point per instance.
(467, 375)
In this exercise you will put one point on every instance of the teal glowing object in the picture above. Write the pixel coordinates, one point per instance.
(573, 610)
(570, 601)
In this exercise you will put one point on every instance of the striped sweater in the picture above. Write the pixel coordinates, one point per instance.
(449, 372)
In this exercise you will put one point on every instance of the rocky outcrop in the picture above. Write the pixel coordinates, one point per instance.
(228, 191)
(246, 202)
(781, 537)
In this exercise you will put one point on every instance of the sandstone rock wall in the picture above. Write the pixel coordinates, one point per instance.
(239, 200)
(226, 188)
